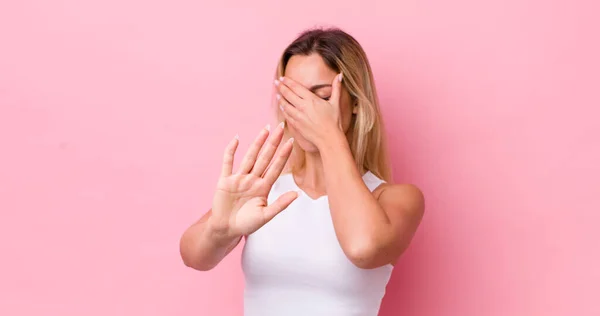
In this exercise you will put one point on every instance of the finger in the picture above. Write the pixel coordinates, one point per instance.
(288, 94)
(268, 151)
(274, 170)
(228, 157)
(250, 157)
(279, 205)
(297, 88)
(336, 90)
(288, 109)
(290, 121)
(290, 114)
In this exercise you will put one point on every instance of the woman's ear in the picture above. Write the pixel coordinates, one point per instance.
(355, 107)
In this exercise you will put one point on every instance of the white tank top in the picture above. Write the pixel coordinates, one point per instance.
(294, 265)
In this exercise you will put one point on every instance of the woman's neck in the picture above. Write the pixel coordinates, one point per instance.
(311, 177)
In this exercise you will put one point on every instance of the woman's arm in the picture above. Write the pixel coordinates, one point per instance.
(203, 245)
(240, 202)
(373, 228)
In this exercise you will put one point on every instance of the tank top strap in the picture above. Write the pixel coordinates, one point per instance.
(372, 181)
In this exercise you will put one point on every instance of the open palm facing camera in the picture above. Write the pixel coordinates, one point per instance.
(240, 201)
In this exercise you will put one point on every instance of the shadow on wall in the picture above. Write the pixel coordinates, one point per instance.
(408, 280)
(414, 274)
(441, 271)
(408, 286)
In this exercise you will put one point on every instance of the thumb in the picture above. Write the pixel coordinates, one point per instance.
(336, 90)
(279, 205)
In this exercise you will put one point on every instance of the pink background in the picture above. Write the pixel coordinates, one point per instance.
(114, 113)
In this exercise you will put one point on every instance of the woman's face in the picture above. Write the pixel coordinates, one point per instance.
(312, 73)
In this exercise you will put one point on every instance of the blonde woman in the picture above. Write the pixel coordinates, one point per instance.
(324, 229)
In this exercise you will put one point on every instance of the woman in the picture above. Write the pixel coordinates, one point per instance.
(324, 229)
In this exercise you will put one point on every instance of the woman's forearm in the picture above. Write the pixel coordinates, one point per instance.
(360, 223)
(204, 245)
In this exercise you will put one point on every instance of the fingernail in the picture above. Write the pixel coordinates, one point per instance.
(237, 137)
(282, 124)
(281, 107)
(281, 78)
(292, 140)
(278, 96)
(276, 82)
(340, 76)
(268, 127)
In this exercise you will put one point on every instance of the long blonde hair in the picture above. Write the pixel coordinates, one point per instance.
(342, 53)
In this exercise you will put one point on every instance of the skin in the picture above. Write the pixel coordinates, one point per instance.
(373, 228)
(240, 201)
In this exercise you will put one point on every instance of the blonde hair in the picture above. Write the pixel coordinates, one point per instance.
(342, 53)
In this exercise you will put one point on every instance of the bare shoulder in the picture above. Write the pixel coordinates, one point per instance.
(403, 198)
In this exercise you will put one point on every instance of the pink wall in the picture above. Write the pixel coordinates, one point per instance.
(107, 112)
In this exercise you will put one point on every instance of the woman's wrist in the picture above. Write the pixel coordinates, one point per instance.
(334, 140)
(219, 232)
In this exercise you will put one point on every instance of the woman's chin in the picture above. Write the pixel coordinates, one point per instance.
(305, 145)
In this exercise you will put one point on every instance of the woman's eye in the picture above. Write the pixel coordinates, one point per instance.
(326, 98)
